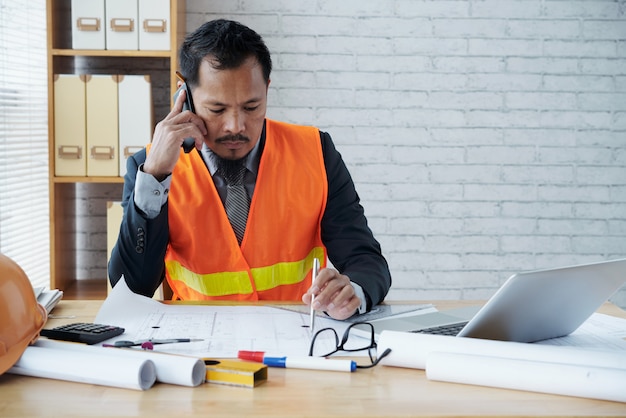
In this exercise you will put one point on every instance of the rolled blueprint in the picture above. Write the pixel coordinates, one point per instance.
(412, 350)
(87, 366)
(535, 376)
(170, 368)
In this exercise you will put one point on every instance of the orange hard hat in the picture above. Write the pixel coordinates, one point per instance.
(21, 317)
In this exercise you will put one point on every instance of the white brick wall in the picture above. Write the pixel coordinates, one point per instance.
(484, 137)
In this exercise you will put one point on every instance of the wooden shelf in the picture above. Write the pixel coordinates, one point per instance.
(90, 289)
(109, 53)
(92, 179)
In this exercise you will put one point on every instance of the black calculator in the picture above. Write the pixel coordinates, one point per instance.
(83, 332)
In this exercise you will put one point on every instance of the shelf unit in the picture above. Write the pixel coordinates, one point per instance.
(62, 59)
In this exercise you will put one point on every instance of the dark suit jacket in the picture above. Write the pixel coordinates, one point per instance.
(140, 249)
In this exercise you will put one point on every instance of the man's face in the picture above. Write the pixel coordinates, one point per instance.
(232, 104)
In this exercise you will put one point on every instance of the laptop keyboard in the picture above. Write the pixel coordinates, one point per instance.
(450, 329)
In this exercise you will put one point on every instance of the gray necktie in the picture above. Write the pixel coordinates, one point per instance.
(237, 202)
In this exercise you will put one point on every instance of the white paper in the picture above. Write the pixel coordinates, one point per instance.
(173, 369)
(561, 379)
(412, 350)
(377, 312)
(222, 329)
(86, 366)
(600, 330)
(48, 298)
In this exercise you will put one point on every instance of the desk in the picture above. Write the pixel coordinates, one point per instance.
(382, 391)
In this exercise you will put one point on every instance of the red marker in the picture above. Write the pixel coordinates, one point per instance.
(304, 362)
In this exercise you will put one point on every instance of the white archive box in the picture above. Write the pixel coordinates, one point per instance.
(154, 18)
(121, 24)
(88, 31)
(135, 115)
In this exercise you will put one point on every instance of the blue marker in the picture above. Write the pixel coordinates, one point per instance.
(301, 362)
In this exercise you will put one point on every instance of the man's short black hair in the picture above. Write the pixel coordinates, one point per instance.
(225, 44)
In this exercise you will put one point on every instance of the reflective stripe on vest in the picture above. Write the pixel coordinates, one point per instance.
(229, 283)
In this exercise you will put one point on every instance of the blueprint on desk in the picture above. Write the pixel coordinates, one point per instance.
(222, 329)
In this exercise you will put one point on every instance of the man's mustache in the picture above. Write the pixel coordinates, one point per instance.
(233, 138)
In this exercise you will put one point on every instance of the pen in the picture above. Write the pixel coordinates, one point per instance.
(316, 268)
(299, 362)
(148, 344)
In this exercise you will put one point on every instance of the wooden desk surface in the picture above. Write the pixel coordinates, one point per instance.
(382, 391)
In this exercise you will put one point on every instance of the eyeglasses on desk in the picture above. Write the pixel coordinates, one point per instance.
(350, 342)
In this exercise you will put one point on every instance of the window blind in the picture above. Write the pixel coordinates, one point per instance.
(24, 209)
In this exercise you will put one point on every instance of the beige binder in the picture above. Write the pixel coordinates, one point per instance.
(69, 125)
(154, 18)
(135, 116)
(102, 126)
(115, 213)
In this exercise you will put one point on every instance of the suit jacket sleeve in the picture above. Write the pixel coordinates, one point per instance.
(351, 245)
(139, 253)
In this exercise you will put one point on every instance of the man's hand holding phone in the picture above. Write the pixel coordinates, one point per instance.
(171, 133)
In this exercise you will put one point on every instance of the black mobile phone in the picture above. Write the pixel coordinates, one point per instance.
(188, 143)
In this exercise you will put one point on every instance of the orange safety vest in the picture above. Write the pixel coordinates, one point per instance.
(283, 234)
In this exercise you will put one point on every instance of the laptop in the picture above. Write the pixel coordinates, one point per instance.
(530, 306)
